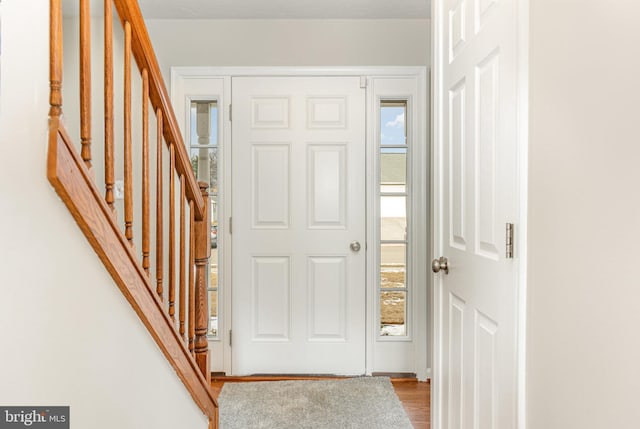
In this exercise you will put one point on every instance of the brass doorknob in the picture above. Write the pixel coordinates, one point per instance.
(440, 264)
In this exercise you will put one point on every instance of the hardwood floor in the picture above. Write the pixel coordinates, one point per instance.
(415, 396)
(416, 400)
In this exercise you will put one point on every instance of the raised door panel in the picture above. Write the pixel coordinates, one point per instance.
(271, 297)
(327, 282)
(269, 112)
(270, 171)
(457, 149)
(457, 28)
(456, 357)
(483, 10)
(487, 85)
(326, 112)
(484, 358)
(327, 186)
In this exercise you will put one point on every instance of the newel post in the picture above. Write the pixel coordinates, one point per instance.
(202, 254)
(55, 61)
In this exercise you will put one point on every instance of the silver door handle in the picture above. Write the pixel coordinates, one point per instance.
(440, 264)
(355, 246)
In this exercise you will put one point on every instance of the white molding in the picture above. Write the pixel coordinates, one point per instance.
(413, 88)
(371, 165)
(522, 129)
(436, 216)
(219, 88)
(208, 72)
(423, 361)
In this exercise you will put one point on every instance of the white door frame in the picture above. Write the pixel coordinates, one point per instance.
(520, 245)
(422, 335)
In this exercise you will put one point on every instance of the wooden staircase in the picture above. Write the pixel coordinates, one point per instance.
(175, 281)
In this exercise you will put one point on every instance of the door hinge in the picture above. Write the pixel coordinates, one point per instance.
(230, 337)
(231, 225)
(363, 82)
(230, 113)
(509, 241)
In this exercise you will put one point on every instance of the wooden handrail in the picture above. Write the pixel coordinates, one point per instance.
(183, 341)
(143, 52)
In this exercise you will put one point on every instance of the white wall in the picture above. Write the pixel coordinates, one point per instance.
(290, 42)
(584, 218)
(68, 335)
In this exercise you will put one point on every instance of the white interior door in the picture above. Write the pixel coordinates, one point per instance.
(476, 302)
(298, 204)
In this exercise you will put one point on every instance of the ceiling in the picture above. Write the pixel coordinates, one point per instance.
(285, 9)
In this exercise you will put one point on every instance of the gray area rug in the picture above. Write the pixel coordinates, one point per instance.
(364, 402)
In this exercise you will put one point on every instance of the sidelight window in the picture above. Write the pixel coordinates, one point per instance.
(203, 151)
(393, 149)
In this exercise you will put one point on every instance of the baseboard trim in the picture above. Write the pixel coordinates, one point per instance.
(221, 377)
(396, 375)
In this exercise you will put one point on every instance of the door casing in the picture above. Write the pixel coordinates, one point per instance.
(222, 75)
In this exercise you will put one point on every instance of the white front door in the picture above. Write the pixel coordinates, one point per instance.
(476, 196)
(298, 205)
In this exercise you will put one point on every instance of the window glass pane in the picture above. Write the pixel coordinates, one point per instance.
(213, 118)
(213, 277)
(193, 133)
(393, 130)
(204, 162)
(393, 218)
(204, 123)
(393, 157)
(393, 265)
(213, 282)
(213, 312)
(214, 227)
(393, 313)
(203, 154)
(393, 170)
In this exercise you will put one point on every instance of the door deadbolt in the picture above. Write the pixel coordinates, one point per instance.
(355, 246)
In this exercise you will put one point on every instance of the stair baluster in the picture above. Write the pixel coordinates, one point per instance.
(192, 280)
(159, 210)
(109, 174)
(172, 232)
(85, 81)
(146, 239)
(128, 167)
(183, 250)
